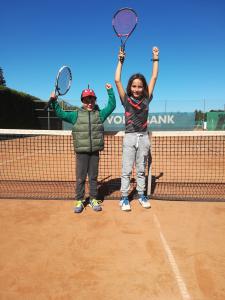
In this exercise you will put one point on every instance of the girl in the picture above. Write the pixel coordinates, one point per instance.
(136, 143)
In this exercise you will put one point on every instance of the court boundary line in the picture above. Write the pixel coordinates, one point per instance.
(179, 279)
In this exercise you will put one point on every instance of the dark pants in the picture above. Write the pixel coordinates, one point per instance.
(86, 164)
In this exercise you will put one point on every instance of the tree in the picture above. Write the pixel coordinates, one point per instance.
(200, 116)
(2, 79)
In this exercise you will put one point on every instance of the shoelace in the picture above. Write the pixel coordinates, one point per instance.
(79, 203)
(144, 199)
(95, 202)
(125, 201)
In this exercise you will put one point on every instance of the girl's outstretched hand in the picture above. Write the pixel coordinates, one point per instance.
(155, 52)
(121, 55)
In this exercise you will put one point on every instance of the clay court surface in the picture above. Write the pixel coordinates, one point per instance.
(175, 251)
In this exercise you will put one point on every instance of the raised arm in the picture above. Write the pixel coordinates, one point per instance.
(118, 72)
(68, 116)
(111, 105)
(155, 67)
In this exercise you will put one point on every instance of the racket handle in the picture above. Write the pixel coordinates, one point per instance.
(121, 60)
(48, 104)
(123, 50)
(122, 45)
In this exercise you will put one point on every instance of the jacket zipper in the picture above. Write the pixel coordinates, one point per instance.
(89, 119)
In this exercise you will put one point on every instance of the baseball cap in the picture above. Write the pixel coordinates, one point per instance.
(87, 93)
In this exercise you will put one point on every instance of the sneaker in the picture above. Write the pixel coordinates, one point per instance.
(125, 204)
(95, 204)
(79, 206)
(144, 201)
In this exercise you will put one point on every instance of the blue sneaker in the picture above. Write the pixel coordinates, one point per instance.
(95, 204)
(144, 201)
(125, 204)
(79, 206)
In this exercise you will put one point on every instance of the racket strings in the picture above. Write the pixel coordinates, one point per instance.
(63, 81)
(124, 22)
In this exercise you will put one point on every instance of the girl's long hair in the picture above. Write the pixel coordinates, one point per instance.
(144, 82)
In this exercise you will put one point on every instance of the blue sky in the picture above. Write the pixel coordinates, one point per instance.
(38, 37)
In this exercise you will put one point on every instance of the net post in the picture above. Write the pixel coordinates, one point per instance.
(49, 118)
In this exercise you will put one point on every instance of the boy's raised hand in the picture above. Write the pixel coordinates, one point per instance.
(108, 86)
(53, 96)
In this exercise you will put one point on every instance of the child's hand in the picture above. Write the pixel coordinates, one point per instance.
(108, 86)
(155, 52)
(53, 96)
(121, 55)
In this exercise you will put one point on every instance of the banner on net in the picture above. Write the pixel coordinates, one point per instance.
(156, 121)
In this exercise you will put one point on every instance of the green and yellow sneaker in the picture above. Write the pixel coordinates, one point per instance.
(95, 204)
(79, 206)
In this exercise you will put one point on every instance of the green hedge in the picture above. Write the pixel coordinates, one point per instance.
(17, 110)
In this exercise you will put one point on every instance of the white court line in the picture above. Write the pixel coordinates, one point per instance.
(180, 281)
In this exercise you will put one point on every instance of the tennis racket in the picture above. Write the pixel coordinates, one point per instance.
(124, 22)
(62, 83)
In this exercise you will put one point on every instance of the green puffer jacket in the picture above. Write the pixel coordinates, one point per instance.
(88, 130)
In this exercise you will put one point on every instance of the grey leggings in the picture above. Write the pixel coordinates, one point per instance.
(136, 147)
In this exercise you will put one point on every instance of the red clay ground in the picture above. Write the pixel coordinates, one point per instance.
(175, 250)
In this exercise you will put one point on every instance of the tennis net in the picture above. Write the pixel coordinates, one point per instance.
(41, 164)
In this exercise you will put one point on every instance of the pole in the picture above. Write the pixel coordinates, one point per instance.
(203, 115)
(48, 118)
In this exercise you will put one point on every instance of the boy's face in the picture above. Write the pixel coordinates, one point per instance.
(89, 103)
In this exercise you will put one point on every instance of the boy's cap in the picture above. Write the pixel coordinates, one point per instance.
(87, 93)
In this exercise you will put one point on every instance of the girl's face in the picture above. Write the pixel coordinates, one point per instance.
(137, 88)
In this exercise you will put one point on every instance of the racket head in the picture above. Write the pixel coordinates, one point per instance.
(63, 80)
(124, 22)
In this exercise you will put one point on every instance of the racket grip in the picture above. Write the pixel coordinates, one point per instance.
(121, 59)
(48, 104)
(122, 49)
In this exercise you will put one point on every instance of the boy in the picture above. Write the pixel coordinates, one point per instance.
(88, 139)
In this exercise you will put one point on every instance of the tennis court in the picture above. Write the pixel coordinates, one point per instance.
(175, 250)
